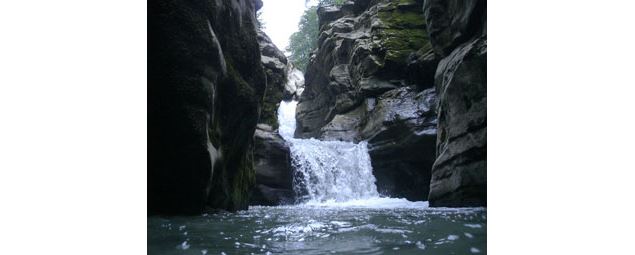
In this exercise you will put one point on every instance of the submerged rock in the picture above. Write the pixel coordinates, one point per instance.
(458, 33)
(358, 88)
(205, 84)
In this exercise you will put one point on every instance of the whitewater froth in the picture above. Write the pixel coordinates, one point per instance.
(327, 170)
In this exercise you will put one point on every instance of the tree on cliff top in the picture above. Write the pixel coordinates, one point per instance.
(304, 41)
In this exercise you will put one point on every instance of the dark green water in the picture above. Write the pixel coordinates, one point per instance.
(367, 228)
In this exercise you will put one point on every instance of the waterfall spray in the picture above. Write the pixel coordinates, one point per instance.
(327, 170)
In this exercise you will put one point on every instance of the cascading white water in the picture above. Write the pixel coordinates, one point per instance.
(329, 170)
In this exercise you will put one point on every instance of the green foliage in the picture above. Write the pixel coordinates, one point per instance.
(304, 41)
(323, 2)
(335, 2)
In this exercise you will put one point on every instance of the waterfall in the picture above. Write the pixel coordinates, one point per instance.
(327, 170)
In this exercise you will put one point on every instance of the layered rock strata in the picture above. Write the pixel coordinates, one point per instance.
(364, 83)
(458, 33)
(276, 68)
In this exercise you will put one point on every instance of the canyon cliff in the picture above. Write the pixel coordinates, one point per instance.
(364, 82)
(407, 76)
(458, 32)
(205, 89)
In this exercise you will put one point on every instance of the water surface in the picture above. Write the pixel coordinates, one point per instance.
(375, 226)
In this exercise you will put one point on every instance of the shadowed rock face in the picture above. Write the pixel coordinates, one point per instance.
(365, 82)
(205, 83)
(272, 159)
(458, 33)
(274, 173)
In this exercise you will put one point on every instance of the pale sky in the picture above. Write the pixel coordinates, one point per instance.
(281, 19)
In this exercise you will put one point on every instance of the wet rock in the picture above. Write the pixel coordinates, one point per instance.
(458, 32)
(401, 134)
(295, 84)
(274, 173)
(205, 84)
(266, 195)
(344, 127)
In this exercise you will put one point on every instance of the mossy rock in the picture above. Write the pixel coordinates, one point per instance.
(398, 18)
(402, 33)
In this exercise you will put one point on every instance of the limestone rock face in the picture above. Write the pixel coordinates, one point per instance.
(458, 33)
(275, 65)
(358, 87)
(205, 85)
(274, 173)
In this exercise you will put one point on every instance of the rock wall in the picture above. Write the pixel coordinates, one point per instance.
(205, 85)
(272, 159)
(275, 64)
(371, 78)
(458, 33)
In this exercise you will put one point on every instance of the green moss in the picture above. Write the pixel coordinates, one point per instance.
(238, 113)
(268, 114)
(240, 165)
(404, 32)
(393, 17)
(399, 43)
(242, 183)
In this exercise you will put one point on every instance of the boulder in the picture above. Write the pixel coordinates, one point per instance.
(274, 173)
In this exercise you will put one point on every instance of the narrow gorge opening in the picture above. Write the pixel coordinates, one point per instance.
(343, 162)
